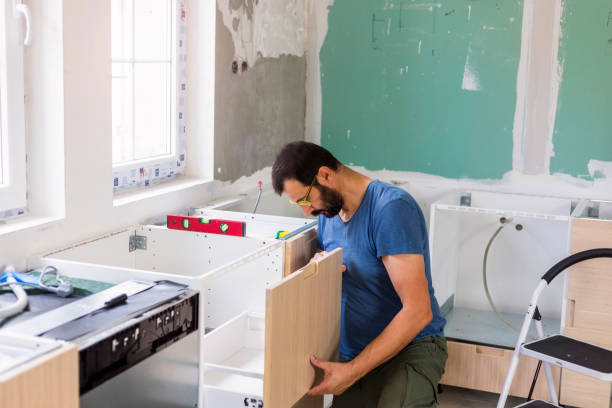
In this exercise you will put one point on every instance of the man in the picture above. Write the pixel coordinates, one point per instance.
(392, 346)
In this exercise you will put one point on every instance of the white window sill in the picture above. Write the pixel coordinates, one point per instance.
(26, 222)
(181, 184)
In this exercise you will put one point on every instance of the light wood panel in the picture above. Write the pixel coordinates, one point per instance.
(299, 250)
(50, 381)
(589, 234)
(580, 390)
(586, 319)
(589, 310)
(302, 319)
(599, 337)
(485, 368)
(589, 287)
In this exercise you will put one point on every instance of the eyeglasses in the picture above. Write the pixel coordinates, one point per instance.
(304, 202)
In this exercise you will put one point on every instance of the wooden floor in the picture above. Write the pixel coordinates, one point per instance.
(453, 397)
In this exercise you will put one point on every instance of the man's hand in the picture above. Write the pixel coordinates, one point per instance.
(319, 255)
(338, 377)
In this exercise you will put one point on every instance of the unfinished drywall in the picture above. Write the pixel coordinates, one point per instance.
(258, 109)
(535, 95)
(264, 28)
(316, 28)
(582, 138)
(422, 86)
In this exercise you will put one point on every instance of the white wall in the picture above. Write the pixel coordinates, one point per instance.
(69, 118)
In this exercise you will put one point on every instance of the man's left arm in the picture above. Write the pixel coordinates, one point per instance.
(407, 273)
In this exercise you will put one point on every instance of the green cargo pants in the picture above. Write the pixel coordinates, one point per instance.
(408, 380)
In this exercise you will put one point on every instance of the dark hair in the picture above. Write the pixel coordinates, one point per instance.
(300, 161)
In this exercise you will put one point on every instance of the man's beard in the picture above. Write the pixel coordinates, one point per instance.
(332, 202)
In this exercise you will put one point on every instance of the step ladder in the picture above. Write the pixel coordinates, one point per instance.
(558, 350)
(537, 404)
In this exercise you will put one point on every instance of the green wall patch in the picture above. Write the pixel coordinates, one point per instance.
(417, 86)
(583, 125)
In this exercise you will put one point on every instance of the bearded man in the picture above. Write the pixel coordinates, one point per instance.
(392, 346)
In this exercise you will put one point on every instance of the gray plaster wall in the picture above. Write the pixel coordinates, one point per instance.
(256, 111)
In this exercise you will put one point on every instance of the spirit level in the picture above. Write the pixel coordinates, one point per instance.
(211, 226)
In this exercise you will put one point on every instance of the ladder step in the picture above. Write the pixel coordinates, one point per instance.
(537, 404)
(573, 354)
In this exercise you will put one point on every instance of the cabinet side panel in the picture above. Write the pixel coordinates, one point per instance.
(589, 310)
(299, 250)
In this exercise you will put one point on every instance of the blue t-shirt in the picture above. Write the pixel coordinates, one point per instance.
(387, 222)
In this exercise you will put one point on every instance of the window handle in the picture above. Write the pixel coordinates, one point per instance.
(23, 9)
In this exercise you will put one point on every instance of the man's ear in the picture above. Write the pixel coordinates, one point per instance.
(326, 176)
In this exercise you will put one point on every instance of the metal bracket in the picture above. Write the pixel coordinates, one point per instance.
(465, 200)
(593, 210)
(138, 242)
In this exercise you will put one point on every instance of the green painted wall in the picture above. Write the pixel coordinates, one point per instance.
(387, 105)
(583, 125)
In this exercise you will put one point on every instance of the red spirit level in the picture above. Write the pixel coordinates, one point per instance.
(197, 224)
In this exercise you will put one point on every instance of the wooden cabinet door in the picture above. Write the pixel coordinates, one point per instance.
(302, 318)
(589, 310)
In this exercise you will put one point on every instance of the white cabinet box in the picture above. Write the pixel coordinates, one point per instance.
(535, 237)
(256, 360)
(231, 273)
(219, 266)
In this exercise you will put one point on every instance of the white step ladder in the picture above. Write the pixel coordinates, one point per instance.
(558, 350)
(537, 404)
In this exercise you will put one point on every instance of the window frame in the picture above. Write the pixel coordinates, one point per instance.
(158, 169)
(13, 190)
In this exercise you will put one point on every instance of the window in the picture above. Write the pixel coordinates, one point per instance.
(12, 124)
(148, 87)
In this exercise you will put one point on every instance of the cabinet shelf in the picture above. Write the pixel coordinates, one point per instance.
(237, 347)
(484, 327)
